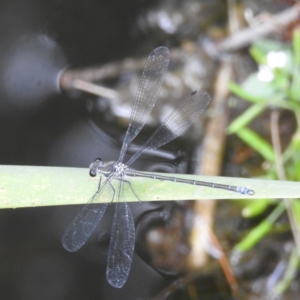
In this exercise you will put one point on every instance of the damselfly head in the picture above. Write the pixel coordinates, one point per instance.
(94, 165)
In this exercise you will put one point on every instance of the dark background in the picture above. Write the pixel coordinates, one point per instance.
(39, 125)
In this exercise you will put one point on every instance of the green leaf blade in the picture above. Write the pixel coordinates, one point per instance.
(27, 186)
(257, 143)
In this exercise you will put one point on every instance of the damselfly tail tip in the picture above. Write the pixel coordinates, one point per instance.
(245, 191)
(250, 192)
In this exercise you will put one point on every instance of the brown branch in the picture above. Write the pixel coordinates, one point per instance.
(108, 71)
(95, 89)
(245, 37)
(212, 158)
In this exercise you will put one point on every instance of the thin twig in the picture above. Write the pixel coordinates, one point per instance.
(109, 70)
(95, 89)
(245, 37)
(91, 74)
(282, 176)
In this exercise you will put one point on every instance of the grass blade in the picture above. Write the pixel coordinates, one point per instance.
(27, 186)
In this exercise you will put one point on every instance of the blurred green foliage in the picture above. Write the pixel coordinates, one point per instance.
(275, 86)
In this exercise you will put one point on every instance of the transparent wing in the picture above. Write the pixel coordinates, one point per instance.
(176, 123)
(147, 93)
(87, 220)
(121, 245)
